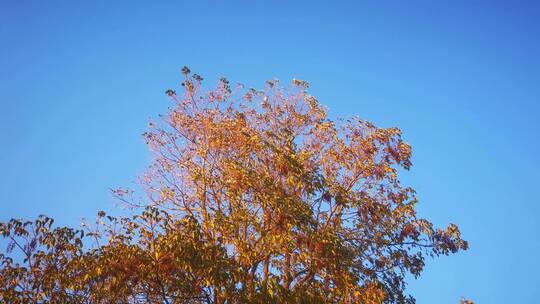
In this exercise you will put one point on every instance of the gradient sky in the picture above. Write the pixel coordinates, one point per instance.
(79, 81)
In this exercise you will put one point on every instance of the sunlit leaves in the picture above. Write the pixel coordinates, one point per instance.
(252, 196)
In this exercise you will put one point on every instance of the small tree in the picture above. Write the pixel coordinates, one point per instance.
(254, 196)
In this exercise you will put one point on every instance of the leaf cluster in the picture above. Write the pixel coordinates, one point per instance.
(253, 196)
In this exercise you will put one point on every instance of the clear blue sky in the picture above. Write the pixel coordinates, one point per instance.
(80, 79)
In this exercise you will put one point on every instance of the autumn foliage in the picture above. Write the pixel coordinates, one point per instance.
(254, 196)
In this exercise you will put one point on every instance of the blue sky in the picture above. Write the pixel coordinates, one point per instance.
(79, 81)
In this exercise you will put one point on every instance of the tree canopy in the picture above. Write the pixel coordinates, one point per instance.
(253, 196)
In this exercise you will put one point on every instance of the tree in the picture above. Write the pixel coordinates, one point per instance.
(253, 196)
